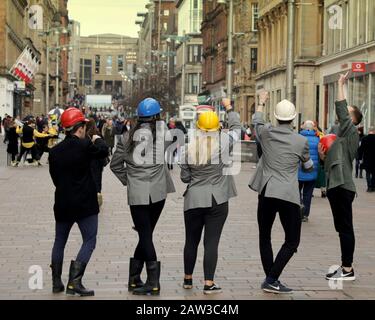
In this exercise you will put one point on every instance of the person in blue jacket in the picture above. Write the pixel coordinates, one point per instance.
(307, 179)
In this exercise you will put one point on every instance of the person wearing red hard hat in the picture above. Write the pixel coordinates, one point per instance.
(338, 155)
(75, 198)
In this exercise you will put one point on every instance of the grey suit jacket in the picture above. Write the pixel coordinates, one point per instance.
(206, 182)
(144, 181)
(283, 151)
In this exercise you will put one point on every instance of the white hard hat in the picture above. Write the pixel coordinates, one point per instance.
(285, 111)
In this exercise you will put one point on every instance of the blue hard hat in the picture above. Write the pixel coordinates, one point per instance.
(148, 107)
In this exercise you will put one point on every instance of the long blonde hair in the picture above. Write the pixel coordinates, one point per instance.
(202, 147)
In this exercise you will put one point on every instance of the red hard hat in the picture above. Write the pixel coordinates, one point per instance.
(71, 117)
(327, 141)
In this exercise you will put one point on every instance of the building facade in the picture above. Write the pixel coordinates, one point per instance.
(189, 53)
(107, 65)
(349, 38)
(308, 32)
(215, 41)
(245, 48)
(13, 40)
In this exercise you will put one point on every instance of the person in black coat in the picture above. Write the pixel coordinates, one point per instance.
(366, 154)
(75, 198)
(12, 148)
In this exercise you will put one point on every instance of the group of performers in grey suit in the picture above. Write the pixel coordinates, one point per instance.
(209, 188)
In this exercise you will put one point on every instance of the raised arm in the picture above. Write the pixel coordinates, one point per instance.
(259, 121)
(346, 126)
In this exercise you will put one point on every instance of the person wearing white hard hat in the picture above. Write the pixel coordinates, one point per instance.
(276, 182)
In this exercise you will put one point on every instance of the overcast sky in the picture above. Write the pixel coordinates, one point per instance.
(107, 16)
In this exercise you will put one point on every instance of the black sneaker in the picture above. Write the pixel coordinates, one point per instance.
(276, 287)
(188, 284)
(341, 274)
(212, 289)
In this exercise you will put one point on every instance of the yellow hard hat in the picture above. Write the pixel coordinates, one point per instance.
(208, 121)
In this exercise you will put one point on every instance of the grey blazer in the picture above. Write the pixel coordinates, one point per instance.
(144, 181)
(207, 182)
(283, 151)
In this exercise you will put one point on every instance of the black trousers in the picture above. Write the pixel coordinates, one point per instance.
(212, 220)
(341, 201)
(145, 218)
(291, 221)
(34, 152)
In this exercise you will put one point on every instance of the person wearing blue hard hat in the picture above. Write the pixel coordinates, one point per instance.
(148, 108)
(148, 184)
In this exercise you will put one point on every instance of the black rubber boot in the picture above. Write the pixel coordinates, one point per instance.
(57, 284)
(135, 270)
(75, 286)
(152, 285)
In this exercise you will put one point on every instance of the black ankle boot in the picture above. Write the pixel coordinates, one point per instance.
(75, 286)
(135, 270)
(152, 285)
(57, 284)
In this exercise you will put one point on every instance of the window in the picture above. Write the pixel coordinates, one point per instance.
(254, 59)
(193, 83)
(194, 53)
(165, 26)
(85, 72)
(120, 63)
(98, 86)
(109, 66)
(195, 4)
(254, 22)
(97, 64)
(166, 13)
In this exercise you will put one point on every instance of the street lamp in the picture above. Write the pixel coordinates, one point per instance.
(181, 39)
(230, 60)
(47, 33)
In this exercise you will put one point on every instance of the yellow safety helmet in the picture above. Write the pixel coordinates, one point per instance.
(208, 121)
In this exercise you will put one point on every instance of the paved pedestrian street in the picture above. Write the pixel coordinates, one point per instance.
(27, 231)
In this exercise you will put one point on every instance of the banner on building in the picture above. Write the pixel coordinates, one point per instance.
(26, 66)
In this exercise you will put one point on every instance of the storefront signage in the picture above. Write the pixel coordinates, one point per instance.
(359, 67)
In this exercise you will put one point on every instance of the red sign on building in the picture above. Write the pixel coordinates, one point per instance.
(359, 67)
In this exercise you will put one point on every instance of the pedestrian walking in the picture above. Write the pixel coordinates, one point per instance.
(148, 183)
(338, 165)
(358, 165)
(208, 192)
(307, 180)
(276, 182)
(75, 198)
(109, 135)
(366, 155)
(12, 147)
(97, 165)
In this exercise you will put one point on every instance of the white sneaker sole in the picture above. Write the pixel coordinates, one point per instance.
(276, 292)
(342, 279)
(212, 292)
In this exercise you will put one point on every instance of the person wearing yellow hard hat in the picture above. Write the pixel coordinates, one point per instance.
(208, 192)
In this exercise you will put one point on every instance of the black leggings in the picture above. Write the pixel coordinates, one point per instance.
(145, 218)
(212, 220)
(290, 218)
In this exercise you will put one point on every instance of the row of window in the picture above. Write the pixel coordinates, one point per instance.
(349, 23)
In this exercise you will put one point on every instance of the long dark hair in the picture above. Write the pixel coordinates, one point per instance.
(91, 129)
(130, 143)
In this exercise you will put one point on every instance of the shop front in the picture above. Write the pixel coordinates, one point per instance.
(360, 92)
